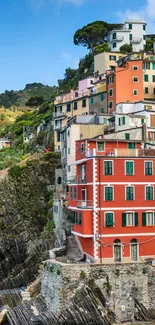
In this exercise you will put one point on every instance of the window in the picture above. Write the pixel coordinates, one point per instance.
(75, 105)
(59, 180)
(135, 67)
(110, 79)
(100, 146)
(144, 27)
(58, 136)
(131, 145)
(91, 100)
(112, 57)
(123, 120)
(130, 219)
(114, 36)
(144, 37)
(110, 92)
(135, 79)
(69, 151)
(153, 65)
(111, 104)
(108, 193)
(149, 193)
(102, 97)
(119, 121)
(69, 169)
(71, 194)
(114, 45)
(146, 90)
(129, 168)
(146, 65)
(130, 26)
(79, 218)
(153, 78)
(82, 148)
(154, 91)
(91, 82)
(129, 193)
(130, 37)
(127, 136)
(68, 107)
(148, 168)
(108, 170)
(74, 193)
(148, 218)
(109, 219)
(135, 92)
(84, 103)
(142, 121)
(102, 110)
(83, 173)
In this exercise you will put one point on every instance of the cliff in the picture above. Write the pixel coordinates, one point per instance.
(26, 229)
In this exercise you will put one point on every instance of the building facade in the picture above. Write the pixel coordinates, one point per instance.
(133, 32)
(112, 200)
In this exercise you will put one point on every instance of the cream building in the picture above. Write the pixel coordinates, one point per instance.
(105, 60)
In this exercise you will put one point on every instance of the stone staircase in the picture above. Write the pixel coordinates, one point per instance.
(73, 251)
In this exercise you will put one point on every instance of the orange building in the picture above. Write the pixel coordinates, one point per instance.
(112, 200)
(124, 84)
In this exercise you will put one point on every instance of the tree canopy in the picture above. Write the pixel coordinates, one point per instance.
(93, 34)
(126, 48)
(35, 101)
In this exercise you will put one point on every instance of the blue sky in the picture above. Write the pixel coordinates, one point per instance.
(36, 36)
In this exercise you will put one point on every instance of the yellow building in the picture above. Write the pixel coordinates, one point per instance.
(105, 60)
(65, 107)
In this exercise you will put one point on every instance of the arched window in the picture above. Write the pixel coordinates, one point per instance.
(59, 181)
(117, 250)
(134, 250)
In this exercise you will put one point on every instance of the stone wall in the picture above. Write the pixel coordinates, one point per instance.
(121, 285)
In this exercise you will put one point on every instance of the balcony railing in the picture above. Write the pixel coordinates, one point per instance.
(85, 204)
(75, 179)
(121, 153)
(57, 114)
(119, 38)
(136, 40)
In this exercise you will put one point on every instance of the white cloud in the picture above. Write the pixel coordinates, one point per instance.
(147, 13)
(66, 56)
(39, 4)
(73, 62)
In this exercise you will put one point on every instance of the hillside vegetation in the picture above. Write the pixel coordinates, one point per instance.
(19, 98)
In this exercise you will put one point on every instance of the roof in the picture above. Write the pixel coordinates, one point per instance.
(135, 21)
(109, 140)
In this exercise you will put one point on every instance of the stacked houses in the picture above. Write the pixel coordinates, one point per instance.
(105, 131)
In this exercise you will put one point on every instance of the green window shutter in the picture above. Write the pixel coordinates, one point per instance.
(146, 77)
(131, 145)
(119, 121)
(127, 136)
(130, 37)
(123, 120)
(129, 167)
(102, 97)
(153, 78)
(123, 219)
(106, 194)
(91, 100)
(154, 219)
(136, 219)
(109, 220)
(73, 216)
(130, 26)
(153, 66)
(144, 219)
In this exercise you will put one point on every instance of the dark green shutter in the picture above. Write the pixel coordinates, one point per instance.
(136, 219)
(144, 219)
(123, 219)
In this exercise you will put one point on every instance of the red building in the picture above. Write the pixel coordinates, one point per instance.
(112, 200)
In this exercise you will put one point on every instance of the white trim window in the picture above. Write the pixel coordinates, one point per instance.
(135, 79)
(100, 146)
(108, 193)
(109, 219)
(129, 193)
(149, 192)
(129, 219)
(135, 92)
(148, 167)
(108, 167)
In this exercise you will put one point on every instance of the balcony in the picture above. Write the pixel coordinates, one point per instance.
(121, 153)
(136, 40)
(87, 204)
(58, 114)
(75, 180)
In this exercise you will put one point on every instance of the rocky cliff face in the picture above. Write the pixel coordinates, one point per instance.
(25, 198)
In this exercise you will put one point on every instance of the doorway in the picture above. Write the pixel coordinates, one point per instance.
(117, 250)
(134, 250)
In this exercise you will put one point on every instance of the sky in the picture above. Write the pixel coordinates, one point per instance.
(36, 36)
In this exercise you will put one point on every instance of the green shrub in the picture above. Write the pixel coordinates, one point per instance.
(82, 275)
(58, 272)
(15, 171)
